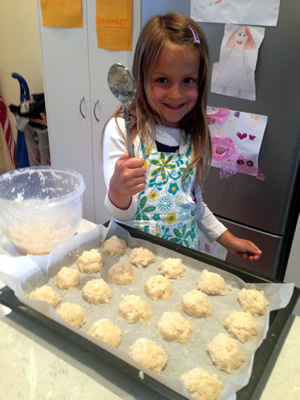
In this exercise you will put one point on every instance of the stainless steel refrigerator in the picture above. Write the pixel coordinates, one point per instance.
(264, 211)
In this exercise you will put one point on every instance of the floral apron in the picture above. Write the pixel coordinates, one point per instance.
(166, 206)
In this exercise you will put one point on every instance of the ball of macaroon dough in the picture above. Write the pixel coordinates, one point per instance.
(212, 283)
(241, 325)
(225, 352)
(90, 262)
(47, 294)
(172, 268)
(122, 273)
(141, 257)
(202, 385)
(114, 246)
(107, 331)
(196, 304)
(134, 309)
(253, 301)
(149, 354)
(72, 313)
(173, 327)
(67, 278)
(96, 291)
(158, 287)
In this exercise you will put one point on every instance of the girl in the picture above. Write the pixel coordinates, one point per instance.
(159, 190)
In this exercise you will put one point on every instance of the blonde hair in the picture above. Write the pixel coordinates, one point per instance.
(157, 33)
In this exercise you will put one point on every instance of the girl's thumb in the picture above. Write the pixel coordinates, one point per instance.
(124, 156)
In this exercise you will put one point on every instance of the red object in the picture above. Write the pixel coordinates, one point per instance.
(7, 131)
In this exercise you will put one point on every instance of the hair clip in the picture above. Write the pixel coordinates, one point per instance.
(196, 37)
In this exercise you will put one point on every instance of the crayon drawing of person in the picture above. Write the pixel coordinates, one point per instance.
(233, 70)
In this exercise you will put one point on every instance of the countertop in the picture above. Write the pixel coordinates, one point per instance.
(39, 364)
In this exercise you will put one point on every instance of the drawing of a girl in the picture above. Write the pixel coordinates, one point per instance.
(233, 70)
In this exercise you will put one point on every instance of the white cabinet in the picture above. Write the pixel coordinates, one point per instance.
(78, 100)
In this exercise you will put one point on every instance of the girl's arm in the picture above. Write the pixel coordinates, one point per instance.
(206, 221)
(215, 230)
(124, 176)
(241, 247)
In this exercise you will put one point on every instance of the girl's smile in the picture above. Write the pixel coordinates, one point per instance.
(174, 83)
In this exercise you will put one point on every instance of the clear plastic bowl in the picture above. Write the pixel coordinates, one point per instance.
(40, 207)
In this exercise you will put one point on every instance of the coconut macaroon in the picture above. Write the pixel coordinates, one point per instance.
(72, 313)
(96, 291)
(134, 309)
(196, 304)
(67, 278)
(173, 327)
(90, 262)
(158, 287)
(114, 246)
(141, 257)
(212, 283)
(105, 330)
(202, 385)
(47, 294)
(149, 354)
(225, 352)
(172, 268)
(253, 301)
(241, 325)
(122, 273)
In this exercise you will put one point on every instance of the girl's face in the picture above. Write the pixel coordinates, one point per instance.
(174, 83)
(241, 37)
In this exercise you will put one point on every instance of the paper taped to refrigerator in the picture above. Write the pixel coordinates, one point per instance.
(253, 12)
(236, 141)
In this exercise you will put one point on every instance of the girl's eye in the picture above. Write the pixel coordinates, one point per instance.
(189, 80)
(162, 80)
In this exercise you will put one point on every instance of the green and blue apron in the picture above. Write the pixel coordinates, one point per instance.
(166, 207)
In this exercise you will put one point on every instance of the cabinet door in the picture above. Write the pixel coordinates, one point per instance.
(103, 103)
(67, 93)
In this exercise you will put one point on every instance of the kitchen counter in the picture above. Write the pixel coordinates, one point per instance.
(38, 363)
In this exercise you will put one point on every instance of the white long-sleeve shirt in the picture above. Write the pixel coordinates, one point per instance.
(114, 146)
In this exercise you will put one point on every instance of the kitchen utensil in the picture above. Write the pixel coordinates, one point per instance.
(123, 86)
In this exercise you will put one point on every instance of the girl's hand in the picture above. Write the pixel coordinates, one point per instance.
(241, 247)
(127, 180)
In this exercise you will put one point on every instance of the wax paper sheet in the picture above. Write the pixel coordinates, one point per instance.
(22, 274)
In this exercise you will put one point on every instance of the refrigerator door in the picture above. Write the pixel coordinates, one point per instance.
(159, 7)
(271, 245)
(264, 205)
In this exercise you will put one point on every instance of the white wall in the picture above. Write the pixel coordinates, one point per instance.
(292, 274)
(19, 51)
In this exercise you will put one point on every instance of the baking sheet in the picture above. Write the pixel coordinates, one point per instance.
(22, 274)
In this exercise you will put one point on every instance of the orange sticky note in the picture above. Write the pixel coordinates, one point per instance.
(62, 13)
(114, 24)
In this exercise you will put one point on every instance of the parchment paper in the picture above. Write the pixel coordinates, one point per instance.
(23, 274)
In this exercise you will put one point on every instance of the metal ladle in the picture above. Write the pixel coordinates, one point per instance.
(123, 86)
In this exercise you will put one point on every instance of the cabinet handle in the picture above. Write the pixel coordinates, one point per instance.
(95, 115)
(80, 107)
